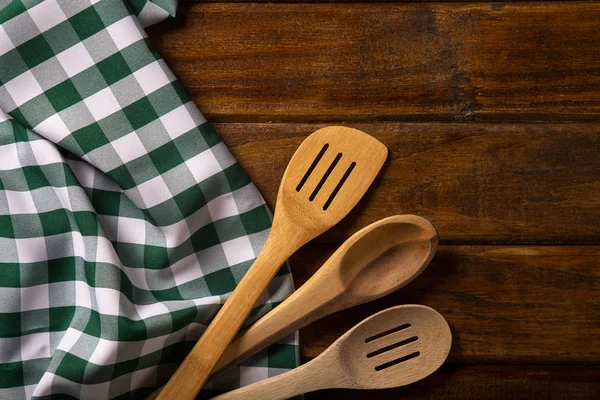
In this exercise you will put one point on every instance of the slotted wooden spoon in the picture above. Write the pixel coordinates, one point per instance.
(392, 348)
(375, 261)
(328, 174)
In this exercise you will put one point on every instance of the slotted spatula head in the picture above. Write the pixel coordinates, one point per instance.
(394, 347)
(326, 177)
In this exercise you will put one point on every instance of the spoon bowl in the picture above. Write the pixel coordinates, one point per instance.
(387, 256)
(395, 347)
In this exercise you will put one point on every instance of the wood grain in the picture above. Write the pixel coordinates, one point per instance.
(504, 304)
(491, 113)
(492, 2)
(498, 382)
(367, 62)
(477, 183)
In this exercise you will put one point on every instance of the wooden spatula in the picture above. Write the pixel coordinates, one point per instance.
(328, 174)
(392, 348)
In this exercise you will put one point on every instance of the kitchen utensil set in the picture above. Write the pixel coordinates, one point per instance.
(328, 174)
(373, 262)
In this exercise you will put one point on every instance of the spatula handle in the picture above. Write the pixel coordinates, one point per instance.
(195, 369)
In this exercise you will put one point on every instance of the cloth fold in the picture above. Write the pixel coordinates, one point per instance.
(124, 221)
(151, 12)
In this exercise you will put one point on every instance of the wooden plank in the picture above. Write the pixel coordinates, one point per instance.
(408, 62)
(477, 183)
(499, 382)
(365, 1)
(504, 304)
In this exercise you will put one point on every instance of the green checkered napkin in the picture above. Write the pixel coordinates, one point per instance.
(124, 221)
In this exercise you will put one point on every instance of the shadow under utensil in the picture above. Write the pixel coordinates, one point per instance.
(171, 24)
(429, 288)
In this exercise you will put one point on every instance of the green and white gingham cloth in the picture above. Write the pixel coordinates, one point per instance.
(124, 221)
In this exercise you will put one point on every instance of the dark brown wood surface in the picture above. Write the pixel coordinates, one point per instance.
(504, 304)
(491, 112)
(409, 62)
(477, 183)
(489, 382)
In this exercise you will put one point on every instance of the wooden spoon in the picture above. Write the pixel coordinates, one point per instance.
(372, 263)
(328, 174)
(392, 348)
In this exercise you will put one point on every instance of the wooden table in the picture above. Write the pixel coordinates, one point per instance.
(491, 112)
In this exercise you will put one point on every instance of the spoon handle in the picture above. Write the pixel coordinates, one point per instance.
(320, 373)
(314, 300)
